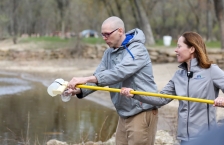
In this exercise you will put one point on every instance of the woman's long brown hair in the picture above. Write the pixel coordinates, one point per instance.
(193, 39)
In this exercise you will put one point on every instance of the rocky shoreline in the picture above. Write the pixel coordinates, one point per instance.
(157, 55)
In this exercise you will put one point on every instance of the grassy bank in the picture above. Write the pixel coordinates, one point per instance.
(209, 45)
(57, 42)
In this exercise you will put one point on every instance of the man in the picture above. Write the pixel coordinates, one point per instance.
(125, 64)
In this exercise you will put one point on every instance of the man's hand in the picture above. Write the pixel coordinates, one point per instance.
(73, 91)
(66, 95)
(81, 80)
(75, 81)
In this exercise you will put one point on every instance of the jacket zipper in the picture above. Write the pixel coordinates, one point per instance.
(208, 116)
(188, 108)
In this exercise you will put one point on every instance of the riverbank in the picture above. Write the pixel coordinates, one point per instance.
(47, 71)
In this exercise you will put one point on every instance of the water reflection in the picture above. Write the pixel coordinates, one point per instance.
(28, 113)
(13, 85)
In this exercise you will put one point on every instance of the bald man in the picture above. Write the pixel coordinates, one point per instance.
(126, 63)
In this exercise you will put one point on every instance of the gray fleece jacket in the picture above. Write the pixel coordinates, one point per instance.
(193, 118)
(118, 69)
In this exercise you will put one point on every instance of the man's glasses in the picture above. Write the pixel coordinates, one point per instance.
(106, 35)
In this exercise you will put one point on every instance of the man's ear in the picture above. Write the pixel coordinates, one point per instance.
(121, 30)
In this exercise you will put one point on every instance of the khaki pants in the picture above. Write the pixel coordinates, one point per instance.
(137, 130)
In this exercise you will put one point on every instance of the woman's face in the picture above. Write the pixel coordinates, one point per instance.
(183, 52)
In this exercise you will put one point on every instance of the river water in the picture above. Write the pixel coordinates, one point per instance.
(28, 114)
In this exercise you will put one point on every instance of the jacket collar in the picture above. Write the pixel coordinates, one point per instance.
(193, 65)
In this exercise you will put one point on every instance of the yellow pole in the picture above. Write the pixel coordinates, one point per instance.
(147, 94)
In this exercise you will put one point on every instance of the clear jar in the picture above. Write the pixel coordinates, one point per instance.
(66, 96)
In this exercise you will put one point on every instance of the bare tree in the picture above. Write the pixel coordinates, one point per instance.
(219, 9)
(155, 17)
(194, 9)
(119, 9)
(144, 23)
(108, 7)
(33, 14)
(135, 7)
(14, 24)
(63, 7)
(209, 20)
(134, 13)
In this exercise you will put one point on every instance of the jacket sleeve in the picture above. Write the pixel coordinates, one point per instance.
(217, 77)
(101, 67)
(126, 68)
(86, 92)
(157, 101)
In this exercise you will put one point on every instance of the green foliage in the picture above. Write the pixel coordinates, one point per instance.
(3, 18)
(213, 44)
(209, 45)
(56, 42)
(47, 42)
(160, 43)
(44, 39)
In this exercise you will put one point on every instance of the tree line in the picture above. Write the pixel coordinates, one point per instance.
(155, 17)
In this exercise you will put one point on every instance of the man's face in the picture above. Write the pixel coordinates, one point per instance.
(111, 35)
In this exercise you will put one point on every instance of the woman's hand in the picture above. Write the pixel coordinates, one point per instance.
(219, 102)
(127, 92)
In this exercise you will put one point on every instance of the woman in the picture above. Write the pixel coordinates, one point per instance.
(197, 77)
